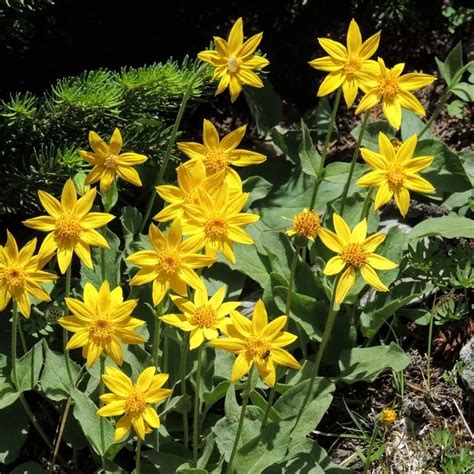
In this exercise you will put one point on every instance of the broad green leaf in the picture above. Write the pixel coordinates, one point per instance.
(8, 392)
(219, 274)
(13, 432)
(452, 64)
(262, 403)
(317, 119)
(131, 220)
(464, 91)
(258, 188)
(309, 156)
(370, 139)
(412, 125)
(456, 108)
(28, 368)
(210, 398)
(367, 363)
(450, 226)
(110, 197)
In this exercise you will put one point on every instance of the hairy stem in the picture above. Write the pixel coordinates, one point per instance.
(196, 430)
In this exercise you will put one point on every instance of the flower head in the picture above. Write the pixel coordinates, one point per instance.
(190, 179)
(20, 275)
(133, 401)
(218, 155)
(257, 342)
(70, 225)
(216, 223)
(101, 323)
(108, 161)
(393, 89)
(346, 65)
(170, 263)
(355, 251)
(235, 61)
(395, 172)
(388, 416)
(306, 224)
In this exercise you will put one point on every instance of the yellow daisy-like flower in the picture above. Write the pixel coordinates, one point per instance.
(101, 323)
(21, 275)
(216, 223)
(235, 61)
(395, 172)
(218, 155)
(70, 225)
(355, 251)
(190, 179)
(394, 90)
(133, 401)
(204, 317)
(306, 224)
(257, 342)
(388, 416)
(346, 65)
(108, 161)
(170, 263)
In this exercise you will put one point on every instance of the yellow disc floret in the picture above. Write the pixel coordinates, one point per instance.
(204, 317)
(354, 254)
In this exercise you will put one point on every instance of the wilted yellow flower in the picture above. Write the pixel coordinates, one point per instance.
(108, 161)
(190, 179)
(216, 223)
(133, 401)
(346, 65)
(394, 91)
(101, 323)
(355, 251)
(20, 275)
(257, 342)
(306, 223)
(395, 172)
(70, 225)
(388, 416)
(204, 317)
(235, 61)
(170, 263)
(218, 155)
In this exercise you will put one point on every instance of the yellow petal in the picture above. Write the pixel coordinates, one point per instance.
(236, 36)
(418, 164)
(151, 417)
(373, 241)
(78, 340)
(333, 48)
(250, 78)
(139, 427)
(50, 203)
(69, 196)
(235, 87)
(407, 148)
(354, 38)
(342, 229)
(380, 263)
(259, 317)
(64, 258)
(345, 283)
(145, 379)
(122, 428)
(369, 100)
(330, 83)
(115, 144)
(117, 382)
(97, 144)
(418, 184)
(375, 160)
(349, 89)
(93, 220)
(250, 46)
(331, 240)
(410, 102)
(129, 174)
(384, 194)
(41, 223)
(211, 57)
(83, 251)
(386, 149)
(113, 409)
(414, 80)
(326, 63)
(233, 139)
(255, 62)
(402, 199)
(371, 179)
(196, 338)
(210, 135)
(282, 357)
(241, 367)
(393, 112)
(334, 265)
(359, 233)
(369, 46)
(84, 204)
(371, 278)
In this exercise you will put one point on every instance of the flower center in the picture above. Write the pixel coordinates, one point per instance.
(396, 176)
(354, 255)
(388, 87)
(100, 329)
(67, 228)
(13, 279)
(204, 317)
(170, 261)
(307, 223)
(258, 348)
(216, 227)
(232, 64)
(111, 161)
(135, 404)
(352, 65)
(215, 161)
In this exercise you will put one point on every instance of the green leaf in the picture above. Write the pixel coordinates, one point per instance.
(309, 157)
(258, 188)
(367, 363)
(210, 398)
(464, 91)
(85, 412)
(318, 119)
(370, 139)
(131, 220)
(450, 226)
(110, 197)
(28, 468)
(13, 432)
(28, 368)
(8, 392)
(452, 64)
(412, 125)
(456, 108)
(55, 379)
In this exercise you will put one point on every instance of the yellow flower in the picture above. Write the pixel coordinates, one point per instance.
(395, 172)
(70, 226)
(388, 416)
(108, 161)
(218, 155)
(190, 179)
(346, 65)
(306, 224)
(257, 342)
(170, 263)
(133, 401)
(355, 251)
(235, 61)
(216, 223)
(21, 276)
(204, 317)
(394, 91)
(101, 323)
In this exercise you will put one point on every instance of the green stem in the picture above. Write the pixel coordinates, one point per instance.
(156, 341)
(439, 108)
(365, 208)
(101, 418)
(371, 446)
(271, 397)
(102, 263)
(166, 350)
(184, 351)
(169, 148)
(196, 430)
(138, 454)
(333, 310)
(22, 338)
(67, 292)
(324, 154)
(430, 341)
(355, 156)
(245, 399)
